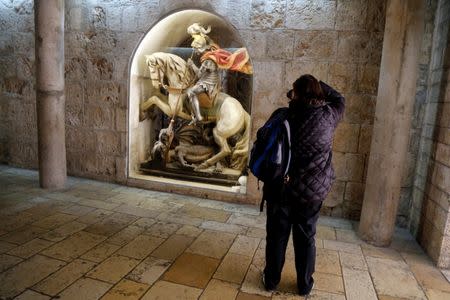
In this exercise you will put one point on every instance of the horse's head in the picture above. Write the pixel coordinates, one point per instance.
(156, 67)
(168, 66)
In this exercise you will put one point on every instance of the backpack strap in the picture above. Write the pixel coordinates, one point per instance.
(288, 131)
(261, 205)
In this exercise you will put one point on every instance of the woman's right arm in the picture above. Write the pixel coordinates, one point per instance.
(335, 100)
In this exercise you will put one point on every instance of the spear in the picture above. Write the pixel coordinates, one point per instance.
(170, 130)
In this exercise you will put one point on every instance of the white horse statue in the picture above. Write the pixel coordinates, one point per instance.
(228, 114)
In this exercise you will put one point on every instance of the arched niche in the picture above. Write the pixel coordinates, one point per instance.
(170, 35)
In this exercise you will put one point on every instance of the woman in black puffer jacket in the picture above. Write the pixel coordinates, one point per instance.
(314, 112)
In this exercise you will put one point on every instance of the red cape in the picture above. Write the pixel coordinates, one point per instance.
(237, 61)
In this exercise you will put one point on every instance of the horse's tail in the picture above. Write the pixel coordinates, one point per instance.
(240, 152)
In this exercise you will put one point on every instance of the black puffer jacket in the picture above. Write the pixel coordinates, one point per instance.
(312, 129)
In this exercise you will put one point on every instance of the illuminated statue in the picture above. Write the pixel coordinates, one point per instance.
(200, 86)
(226, 112)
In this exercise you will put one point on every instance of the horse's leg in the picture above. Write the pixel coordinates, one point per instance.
(147, 104)
(231, 120)
(239, 157)
(176, 105)
(224, 150)
(241, 147)
(166, 109)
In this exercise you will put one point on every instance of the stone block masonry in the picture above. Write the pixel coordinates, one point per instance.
(388, 151)
(18, 133)
(430, 211)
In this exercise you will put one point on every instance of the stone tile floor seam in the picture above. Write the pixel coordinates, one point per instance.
(98, 279)
(342, 272)
(139, 244)
(371, 277)
(415, 277)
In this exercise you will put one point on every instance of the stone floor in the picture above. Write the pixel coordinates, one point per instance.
(98, 240)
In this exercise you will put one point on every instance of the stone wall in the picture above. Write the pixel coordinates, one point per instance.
(18, 134)
(423, 121)
(339, 41)
(430, 213)
(417, 123)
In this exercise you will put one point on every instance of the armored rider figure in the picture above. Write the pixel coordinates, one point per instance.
(208, 75)
(212, 59)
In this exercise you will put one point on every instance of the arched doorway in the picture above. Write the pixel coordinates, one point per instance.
(182, 160)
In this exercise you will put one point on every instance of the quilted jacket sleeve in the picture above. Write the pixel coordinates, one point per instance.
(335, 100)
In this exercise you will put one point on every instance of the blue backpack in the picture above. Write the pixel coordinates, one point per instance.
(271, 153)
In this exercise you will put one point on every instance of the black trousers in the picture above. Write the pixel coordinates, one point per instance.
(282, 215)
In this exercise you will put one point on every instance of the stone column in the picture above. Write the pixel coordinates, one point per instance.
(395, 100)
(50, 101)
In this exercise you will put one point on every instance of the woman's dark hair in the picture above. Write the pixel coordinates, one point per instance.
(307, 89)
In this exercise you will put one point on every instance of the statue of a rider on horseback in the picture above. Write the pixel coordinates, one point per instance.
(200, 88)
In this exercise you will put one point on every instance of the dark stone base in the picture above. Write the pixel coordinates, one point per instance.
(226, 177)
